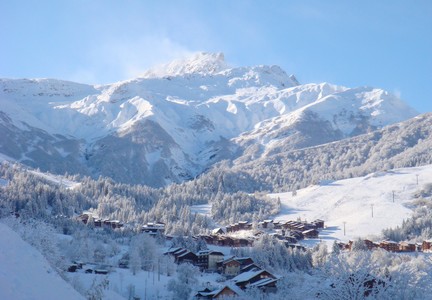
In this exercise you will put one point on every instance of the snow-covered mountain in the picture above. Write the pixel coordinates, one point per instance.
(176, 120)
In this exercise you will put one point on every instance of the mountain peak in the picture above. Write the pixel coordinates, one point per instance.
(199, 63)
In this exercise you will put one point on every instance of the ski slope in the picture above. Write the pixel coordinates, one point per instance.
(352, 202)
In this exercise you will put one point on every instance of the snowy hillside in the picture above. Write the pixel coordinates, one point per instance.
(26, 274)
(179, 119)
(282, 168)
(389, 195)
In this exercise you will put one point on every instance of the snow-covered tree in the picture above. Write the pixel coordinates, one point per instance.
(182, 286)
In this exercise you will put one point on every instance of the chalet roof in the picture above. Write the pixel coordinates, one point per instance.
(406, 243)
(216, 230)
(243, 259)
(233, 288)
(251, 267)
(186, 253)
(179, 252)
(246, 276)
(388, 242)
(309, 230)
(203, 252)
(229, 258)
(209, 252)
(224, 262)
(172, 250)
(263, 282)
(206, 292)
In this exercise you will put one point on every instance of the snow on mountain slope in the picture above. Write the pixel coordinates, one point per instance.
(25, 274)
(177, 120)
(352, 201)
(333, 114)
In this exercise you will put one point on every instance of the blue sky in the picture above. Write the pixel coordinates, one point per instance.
(386, 44)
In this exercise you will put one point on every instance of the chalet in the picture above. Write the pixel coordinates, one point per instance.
(244, 225)
(278, 236)
(426, 246)
(267, 285)
(300, 227)
(178, 252)
(151, 227)
(209, 239)
(290, 239)
(89, 218)
(247, 278)
(83, 218)
(242, 242)
(207, 259)
(266, 224)
(186, 257)
(229, 267)
(225, 241)
(389, 246)
(171, 251)
(218, 231)
(344, 246)
(250, 267)
(297, 234)
(244, 261)
(287, 225)
(370, 245)
(318, 223)
(232, 227)
(203, 295)
(114, 224)
(72, 268)
(407, 247)
(310, 233)
(277, 225)
(222, 293)
(182, 255)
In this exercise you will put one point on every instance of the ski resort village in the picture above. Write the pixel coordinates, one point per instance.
(208, 178)
(107, 258)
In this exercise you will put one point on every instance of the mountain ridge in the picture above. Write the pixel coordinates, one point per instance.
(171, 124)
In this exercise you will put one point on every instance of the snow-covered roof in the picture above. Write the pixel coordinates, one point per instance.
(262, 282)
(186, 253)
(247, 275)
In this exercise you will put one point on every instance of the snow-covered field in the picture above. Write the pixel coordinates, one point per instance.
(352, 202)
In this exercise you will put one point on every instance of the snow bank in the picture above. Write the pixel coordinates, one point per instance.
(26, 274)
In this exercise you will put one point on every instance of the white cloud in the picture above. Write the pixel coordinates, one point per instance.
(397, 93)
(119, 59)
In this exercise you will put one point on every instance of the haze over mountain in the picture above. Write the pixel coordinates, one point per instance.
(177, 120)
